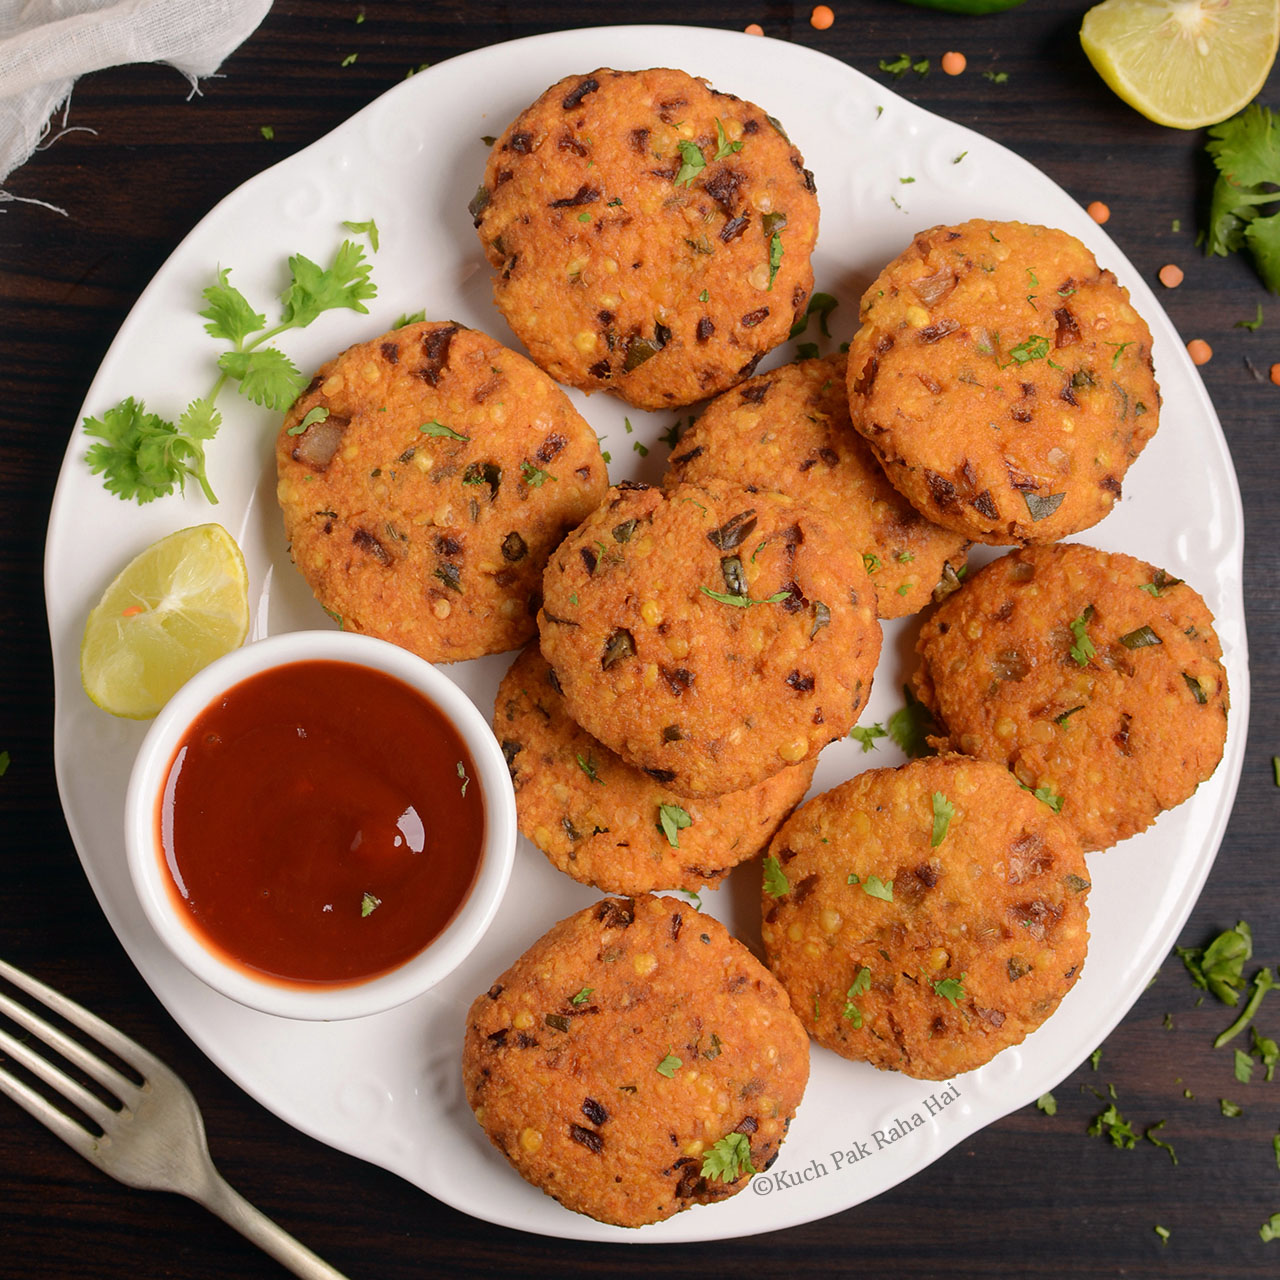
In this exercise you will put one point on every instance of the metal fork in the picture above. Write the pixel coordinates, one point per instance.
(155, 1140)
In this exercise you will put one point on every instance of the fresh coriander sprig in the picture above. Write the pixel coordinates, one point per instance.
(142, 456)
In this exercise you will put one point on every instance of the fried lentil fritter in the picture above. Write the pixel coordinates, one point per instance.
(790, 430)
(926, 917)
(636, 1060)
(649, 235)
(425, 478)
(606, 823)
(711, 636)
(1003, 380)
(1091, 674)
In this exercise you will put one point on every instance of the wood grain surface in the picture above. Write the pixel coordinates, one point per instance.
(1031, 1196)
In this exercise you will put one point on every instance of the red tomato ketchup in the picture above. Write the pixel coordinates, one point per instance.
(321, 823)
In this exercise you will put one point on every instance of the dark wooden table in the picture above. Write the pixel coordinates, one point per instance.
(1031, 1195)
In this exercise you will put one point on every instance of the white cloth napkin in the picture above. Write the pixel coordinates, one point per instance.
(46, 44)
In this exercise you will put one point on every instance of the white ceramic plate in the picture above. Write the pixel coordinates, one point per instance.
(387, 1088)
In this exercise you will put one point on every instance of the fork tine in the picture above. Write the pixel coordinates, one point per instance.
(70, 1088)
(72, 1050)
(75, 1136)
(142, 1060)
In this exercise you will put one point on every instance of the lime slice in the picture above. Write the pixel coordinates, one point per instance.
(1184, 63)
(175, 608)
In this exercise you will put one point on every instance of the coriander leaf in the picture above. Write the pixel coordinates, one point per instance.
(1219, 967)
(369, 904)
(1262, 236)
(582, 996)
(1230, 1109)
(898, 67)
(434, 428)
(860, 985)
(369, 228)
(1115, 1126)
(866, 736)
(1083, 650)
(729, 1158)
(1095, 1057)
(533, 476)
(950, 989)
(1046, 795)
(775, 879)
(314, 290)
(1243, 1066)
(1270, 1230)
(1252, 325)
(265, 375)
(1247, 147)
(1152, 1129)
(669, 1065)
(143, 457)
(723, 146)
(911, 726)
(775, 256)
(1263, 981)
(673, 820)
(1035, 347)
(310, 418)
(943, 812)
(874, 887)
(693, 163)
(416, 318)
(807, 351)
(821, 305)
(229, 314)
(1162, 1232)
(1267, 1050)
(1048, 1104)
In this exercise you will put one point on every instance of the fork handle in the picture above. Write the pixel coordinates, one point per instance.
(221, 1198)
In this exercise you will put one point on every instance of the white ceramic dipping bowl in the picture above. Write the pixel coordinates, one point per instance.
(317, 1001)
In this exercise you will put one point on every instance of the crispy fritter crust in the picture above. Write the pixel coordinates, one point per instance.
(710, 694)
(1128, 726)
(1003, 380)
(790, 430)
(627, 264)
(598, 818)
(434, 475)
(561, 1060)
(985, 933)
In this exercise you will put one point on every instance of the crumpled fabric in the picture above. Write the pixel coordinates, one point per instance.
(46, 44)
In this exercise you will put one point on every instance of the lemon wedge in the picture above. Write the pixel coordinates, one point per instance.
(177, 606)
(1183, 63)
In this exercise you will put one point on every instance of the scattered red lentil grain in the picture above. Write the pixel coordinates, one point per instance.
(1275, 374)
(821, 17)
(1170, 275)
(753, 29)
(954, 63)
(1098, 212)
(1199, 351)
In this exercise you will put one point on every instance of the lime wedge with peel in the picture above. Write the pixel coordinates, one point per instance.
(180, 604)
(1183, 63)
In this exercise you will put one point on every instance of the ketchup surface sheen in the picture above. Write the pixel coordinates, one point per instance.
(321, 822)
